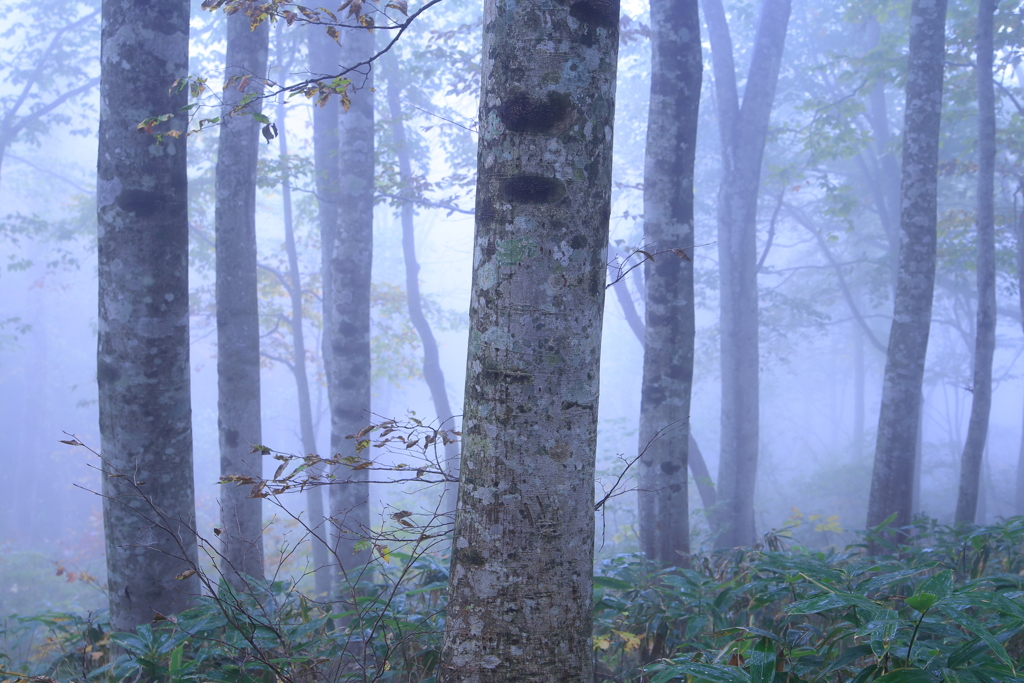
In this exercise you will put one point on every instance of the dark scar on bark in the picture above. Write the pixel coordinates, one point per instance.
(532, 189)
(142, 203)
(603, 13)
(522, 113)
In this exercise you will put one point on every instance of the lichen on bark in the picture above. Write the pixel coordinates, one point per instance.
(143, 350)
(238, 325)
(676, 74)
(892, 478)
(521, 574)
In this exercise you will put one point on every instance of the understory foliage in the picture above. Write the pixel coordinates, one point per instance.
(946, 606)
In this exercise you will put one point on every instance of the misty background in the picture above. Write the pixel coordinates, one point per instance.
(821, 372)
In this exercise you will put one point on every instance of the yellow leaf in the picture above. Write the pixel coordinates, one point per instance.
(631, 640)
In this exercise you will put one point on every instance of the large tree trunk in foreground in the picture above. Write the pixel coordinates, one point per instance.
(432, 371)
(985, 343)
(522, 563)
(744, 131)
(676, 71)
(238, 318)
(143, 354)
(347, 260)
(892, 479)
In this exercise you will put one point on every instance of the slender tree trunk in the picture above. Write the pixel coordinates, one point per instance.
(238, 318)
(695, 458)
(1019, 497)
(348, 258)
(432, 372)
(985, 341)
(893, 475)
(314, 495)
(143, 352)
(744, 130)
(676, 72)
(984, 491)
(522, 567)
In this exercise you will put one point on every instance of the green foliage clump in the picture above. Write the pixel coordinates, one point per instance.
(943, 605)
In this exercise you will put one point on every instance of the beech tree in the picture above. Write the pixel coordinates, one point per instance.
(1019, 489)
(743, 128)
(892, 478)
(238, 324)
(143, 354)
(522, 561)
(985, 331)
(676, 72)
(347, 261)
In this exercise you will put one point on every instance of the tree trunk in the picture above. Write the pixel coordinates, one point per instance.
(695, 458)
(432, 372)
(744, 131)
(676, 72)
(143, 352)
(238, 318)
(314, 495)
(1019, 493)
(893, 474)
(985, 341)
(348, 257)
(521, 576)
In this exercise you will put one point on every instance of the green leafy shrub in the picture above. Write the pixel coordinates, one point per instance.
(947, 605)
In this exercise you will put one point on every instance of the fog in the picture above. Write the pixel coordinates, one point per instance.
(821, 376)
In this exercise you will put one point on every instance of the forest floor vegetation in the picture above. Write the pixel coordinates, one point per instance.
(947, 605)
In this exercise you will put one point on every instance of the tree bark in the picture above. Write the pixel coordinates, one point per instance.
(432, 371)
(520, 605)
(238, 318)
(1019, 497)
(695, 458)
(985, 341)
(314, 495)
(676, 73)
(893, 474)
(143, 351)
(348, 258)
(743, 128)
